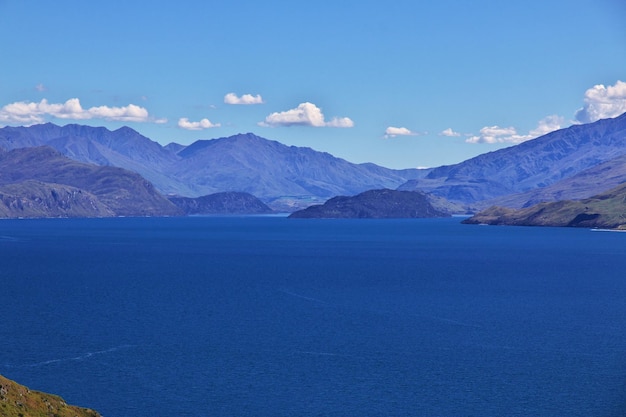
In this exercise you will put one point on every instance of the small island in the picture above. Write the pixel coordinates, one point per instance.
(227, 202)
(375, 204)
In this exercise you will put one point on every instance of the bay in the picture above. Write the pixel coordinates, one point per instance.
(268, 316)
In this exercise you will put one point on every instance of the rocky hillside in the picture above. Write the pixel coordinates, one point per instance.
(530, 165)
(586, 183)
(222, 203)
(34, 199)
(606, 210)
(18, 401)
(124, 148)
(40, 182)
(374, 204)
(273, 172)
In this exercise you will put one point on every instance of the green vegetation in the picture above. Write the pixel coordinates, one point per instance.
(18, 401)
(606, 211)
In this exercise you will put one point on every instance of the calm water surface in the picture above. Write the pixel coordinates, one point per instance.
(268, 316)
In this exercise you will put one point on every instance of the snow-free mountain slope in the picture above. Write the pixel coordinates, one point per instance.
(123, 192)
(289, 177)
(269, 169)
(530, 165)
(245, 163)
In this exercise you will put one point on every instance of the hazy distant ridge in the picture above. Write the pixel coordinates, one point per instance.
(248, 163)
(530, 165)
(575, 162)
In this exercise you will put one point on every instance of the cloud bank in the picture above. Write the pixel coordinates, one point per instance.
(231, 98)
(497, 134)
(306, 114)
(29, 113)
(392, 132)
(603, 102)
(184, 123)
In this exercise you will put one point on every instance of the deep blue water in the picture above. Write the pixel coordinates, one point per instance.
(268, 316)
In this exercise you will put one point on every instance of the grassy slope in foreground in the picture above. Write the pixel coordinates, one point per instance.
(606, 211)
(18, 401)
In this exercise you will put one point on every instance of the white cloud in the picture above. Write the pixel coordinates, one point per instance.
(497, 134)
(306, 114)
(340, 122)
(449, 133)
(392, 132)
(603, 102)
(231, 98)
(27, 113)
(130, 113)
(546, 125)
(184, 123)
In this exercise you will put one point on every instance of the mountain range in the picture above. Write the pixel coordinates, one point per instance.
(573, 163)
(569, 163)
(285, 177)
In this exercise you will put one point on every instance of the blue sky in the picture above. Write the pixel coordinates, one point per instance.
(401, 83)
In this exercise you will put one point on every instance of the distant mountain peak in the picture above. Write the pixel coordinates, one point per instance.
(239, 138)
(126, 130)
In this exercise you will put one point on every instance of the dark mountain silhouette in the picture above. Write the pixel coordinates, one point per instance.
(222, 203)
(374, 204)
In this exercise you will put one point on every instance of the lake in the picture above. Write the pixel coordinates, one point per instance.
(269, 316)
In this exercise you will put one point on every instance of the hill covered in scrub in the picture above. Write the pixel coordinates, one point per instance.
(18, 401)
(41, 182)
(222, 203)
(605, 211)
(374, 204)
